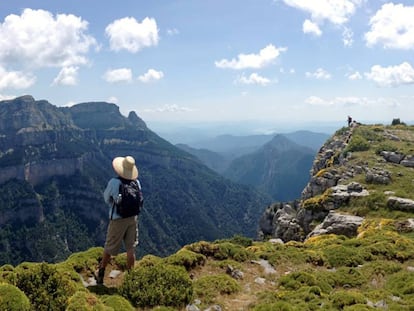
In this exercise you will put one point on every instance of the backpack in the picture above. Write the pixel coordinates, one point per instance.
(132, 200)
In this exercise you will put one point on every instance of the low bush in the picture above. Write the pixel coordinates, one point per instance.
(117, 303)
(210, 286)
(343, 298)
(186, 259)
(46, 288)
(13, 299)
(160, 284)
(85, 301)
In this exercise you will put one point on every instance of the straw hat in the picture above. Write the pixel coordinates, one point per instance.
(125, 167)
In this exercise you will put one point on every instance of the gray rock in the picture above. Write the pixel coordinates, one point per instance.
(392, 157)
(408, 161)
(338, 224)
(401, 204)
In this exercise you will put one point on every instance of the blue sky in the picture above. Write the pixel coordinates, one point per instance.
(214, 60)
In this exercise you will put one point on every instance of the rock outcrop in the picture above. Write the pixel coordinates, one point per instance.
(333, 186)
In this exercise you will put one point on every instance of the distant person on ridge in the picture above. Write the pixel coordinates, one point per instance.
(349, 120)
(124, 197)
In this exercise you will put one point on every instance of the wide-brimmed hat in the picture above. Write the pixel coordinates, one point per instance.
(125, 167)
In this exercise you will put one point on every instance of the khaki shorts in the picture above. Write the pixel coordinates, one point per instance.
(121, 230)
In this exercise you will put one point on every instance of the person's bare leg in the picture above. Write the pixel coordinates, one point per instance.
(102, 265)
(105, 260)
(130, 258)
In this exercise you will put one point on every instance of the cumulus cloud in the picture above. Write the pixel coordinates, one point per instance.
(392, 27)
(118, 75)
(36, 38)
(151, 75)
(355, 76)
(391, 76)
(335, 11)
(67, 76)
(129, 34)
(266, 56)
(320, 74)
(254, 78)
(311, 27)
(15, 79)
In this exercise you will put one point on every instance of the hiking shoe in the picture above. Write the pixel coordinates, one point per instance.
(100, 276)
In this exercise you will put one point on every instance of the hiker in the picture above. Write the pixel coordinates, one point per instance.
(121, 229)
(349, 120)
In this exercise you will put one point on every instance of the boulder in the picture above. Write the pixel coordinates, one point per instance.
(340, 224)
(401, 204)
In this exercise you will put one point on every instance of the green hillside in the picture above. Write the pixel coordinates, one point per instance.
(371, 270)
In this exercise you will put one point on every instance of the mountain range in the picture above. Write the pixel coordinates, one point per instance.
(55, 163)
(276, 164)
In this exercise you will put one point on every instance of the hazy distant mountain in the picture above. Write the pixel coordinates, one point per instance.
(55, 163)
(308, 139)
(279, 168)
(216, 161)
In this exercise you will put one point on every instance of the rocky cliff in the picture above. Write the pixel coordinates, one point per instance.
(55, 163)
(358, 172)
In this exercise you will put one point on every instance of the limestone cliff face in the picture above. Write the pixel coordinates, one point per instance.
(55, 163)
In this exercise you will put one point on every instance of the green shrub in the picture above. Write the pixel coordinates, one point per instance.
(149, 261)
(340, 255)
(228, 250)
(238, 240)
(186, 259)
(46, 288)
(121, 261)
(12, 298)
(209, 286)
(401, 283)
(342, 298)
(277, 306)
(357, 143)
(349, 276)
(87, 260)
(160, 284)
(295, 280)
(117, 303)
(85, 301)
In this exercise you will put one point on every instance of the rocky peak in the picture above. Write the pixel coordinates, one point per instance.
(103, 116)
(26, 114)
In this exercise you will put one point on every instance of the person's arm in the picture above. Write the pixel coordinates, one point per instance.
(111, 191)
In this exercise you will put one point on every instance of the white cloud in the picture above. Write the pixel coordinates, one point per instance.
(311, 27)
(347, 37)
(172, 32)
(113, 100)
(118, 75)
(15, 79)
(392, 27)
(320, 74)
(352, 101)
(335, 11)
(6, 97)
(38, 39)
(128, 34)
(254, 78)
(170, 108)
(151, 75)
(391, 76)
(265, 57)
(67, 76)
(355, 76)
